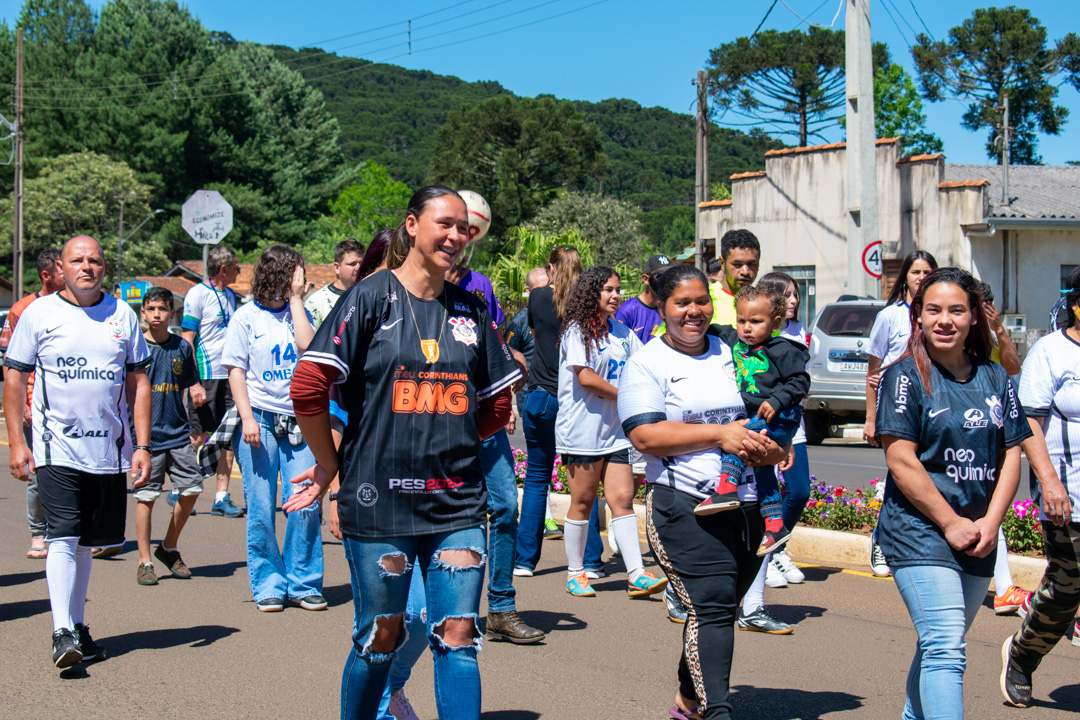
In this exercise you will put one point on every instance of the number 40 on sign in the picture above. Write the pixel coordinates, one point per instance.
(871, 259)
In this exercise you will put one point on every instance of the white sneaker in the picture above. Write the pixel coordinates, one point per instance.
(773, 577)
(787, 568)
(522, 572)
(877, 559)
(595, 574)
(401, 708)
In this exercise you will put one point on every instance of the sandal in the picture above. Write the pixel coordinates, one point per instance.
(679, 714)
(37, 553)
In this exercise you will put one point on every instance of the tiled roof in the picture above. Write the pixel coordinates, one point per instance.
(747, 175)
(321, 275)
(178, 286)
(921, 158)
(1036, 191)
(950, 184)
(819, 148)
(715, 203)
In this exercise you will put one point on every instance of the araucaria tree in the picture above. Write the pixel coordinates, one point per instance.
(999, 52)
(790, 83)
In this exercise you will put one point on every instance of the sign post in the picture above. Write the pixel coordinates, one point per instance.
(207, 218)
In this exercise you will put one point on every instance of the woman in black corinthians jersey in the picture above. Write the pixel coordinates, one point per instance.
(950, 424)
(426, 376)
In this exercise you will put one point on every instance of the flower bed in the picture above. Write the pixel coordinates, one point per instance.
(1023, 533)
(558, 474)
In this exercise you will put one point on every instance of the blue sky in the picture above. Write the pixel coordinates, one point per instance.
(645, 51)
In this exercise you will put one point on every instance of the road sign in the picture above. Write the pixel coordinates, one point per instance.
(871, 259)
(207, 217)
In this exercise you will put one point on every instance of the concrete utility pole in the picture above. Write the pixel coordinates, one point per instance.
(120, 246)
(17, 247)
(701, 184)
(861, 176)
(1005, 154)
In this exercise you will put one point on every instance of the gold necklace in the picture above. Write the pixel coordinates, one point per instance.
(429, 347)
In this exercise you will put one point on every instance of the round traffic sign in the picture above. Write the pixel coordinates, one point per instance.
(871, 259)
(207, 217)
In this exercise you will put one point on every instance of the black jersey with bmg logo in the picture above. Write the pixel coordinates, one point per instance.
(961, 431)
(410, 453)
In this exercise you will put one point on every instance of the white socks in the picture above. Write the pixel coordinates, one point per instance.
(547, 508)
(218, 497)
(755, 595)
(1002, 575)
(575, 532)
(67, 571)
(625, 531)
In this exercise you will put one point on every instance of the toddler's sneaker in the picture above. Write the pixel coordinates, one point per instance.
(579, 585)
(646, 584)
(552, 530)
(787, 568)
(1010, 601)
(775, 536)
(724, 497)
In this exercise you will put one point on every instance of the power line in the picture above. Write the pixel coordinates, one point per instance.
(754, 34)
(900, 30)
(921, 20)
(814, 25)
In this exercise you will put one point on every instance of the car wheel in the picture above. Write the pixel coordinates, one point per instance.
(818, 425)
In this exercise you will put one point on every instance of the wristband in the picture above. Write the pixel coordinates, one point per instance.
(143, 447)
(332, 497)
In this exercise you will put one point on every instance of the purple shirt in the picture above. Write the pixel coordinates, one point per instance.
(639, 317)
(479, 285)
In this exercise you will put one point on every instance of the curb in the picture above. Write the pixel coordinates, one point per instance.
(825, 547)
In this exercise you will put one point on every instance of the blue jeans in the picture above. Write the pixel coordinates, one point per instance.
(782, 428)
(413, 647)
(942, 603)
(296, 569)
(796, 487)
(451, 592)
(497, 461)
(538, 424)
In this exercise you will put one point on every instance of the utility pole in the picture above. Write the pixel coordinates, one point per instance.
(861, 175)
(701, 184)
(120, 247)
(17, 253)
(1005, 154)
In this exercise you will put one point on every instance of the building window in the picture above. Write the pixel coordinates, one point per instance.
(803, 275)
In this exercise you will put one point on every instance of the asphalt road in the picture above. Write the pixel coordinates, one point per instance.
(199, 649)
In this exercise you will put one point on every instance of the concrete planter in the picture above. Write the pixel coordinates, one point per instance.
(825, 547)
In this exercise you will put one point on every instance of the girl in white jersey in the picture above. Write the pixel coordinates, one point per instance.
(593, 348)
(888, 341)
(262, 346)
(679, 405)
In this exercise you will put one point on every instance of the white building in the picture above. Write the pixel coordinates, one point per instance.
(1023, 246)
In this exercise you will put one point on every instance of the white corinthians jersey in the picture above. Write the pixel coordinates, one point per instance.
(82, 356)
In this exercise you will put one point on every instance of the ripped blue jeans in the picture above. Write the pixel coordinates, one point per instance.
(380, 585)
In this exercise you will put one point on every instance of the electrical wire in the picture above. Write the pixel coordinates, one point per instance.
(767, 12)
(885, 4)
(814, 25)
(921, 20)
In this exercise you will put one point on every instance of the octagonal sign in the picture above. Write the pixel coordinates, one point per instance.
(207, 217)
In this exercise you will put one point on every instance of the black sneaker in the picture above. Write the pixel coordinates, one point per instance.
(675, 611)
(1015, 683)
(270, 604)
(172, 560)
(761, 620)
(91, 650)
(65, 650)
(311, 602)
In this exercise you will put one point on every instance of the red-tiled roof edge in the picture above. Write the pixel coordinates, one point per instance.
(748, 175)
(951, 184)
(820, 148)
(921, 158)
(714, 203)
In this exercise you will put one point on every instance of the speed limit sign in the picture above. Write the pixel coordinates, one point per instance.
(871, 259)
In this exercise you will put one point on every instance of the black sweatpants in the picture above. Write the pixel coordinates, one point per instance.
(710, 561)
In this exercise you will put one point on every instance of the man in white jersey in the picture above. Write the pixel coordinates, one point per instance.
(208, 307)
(89, 359)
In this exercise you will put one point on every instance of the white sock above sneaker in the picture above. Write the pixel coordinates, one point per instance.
(1002, 574)
(575, 533)
(625, 531)
(755, 595)
(218, 497)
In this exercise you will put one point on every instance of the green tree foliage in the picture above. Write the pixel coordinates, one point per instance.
(791, 82)
(994, 53)
(374, 202)
(79, 194)
(610, 226)
(657, 222)
(677, 236)
(183, 107)
(517, 154)
(898, 111)
(528, 248)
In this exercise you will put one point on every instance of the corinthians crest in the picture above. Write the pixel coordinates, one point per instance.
(464, 330)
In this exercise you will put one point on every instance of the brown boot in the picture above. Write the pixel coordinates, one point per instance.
(510, 626)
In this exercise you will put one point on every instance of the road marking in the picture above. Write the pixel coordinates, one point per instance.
(860, 573)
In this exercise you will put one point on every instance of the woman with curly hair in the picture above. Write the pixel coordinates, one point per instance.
(592, 351)
(263, 344)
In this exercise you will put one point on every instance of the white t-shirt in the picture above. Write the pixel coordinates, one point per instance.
(889, 336)
(207, 312)
(261, 341)
(1050, 388)
(81, 357)
(794, 330)
(588, 424)
(660, 383)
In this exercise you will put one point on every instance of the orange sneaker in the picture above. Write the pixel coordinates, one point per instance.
(1010, 601)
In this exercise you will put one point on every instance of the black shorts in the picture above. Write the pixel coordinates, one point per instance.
(206, 418)
(619, 457)
(83, 505)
